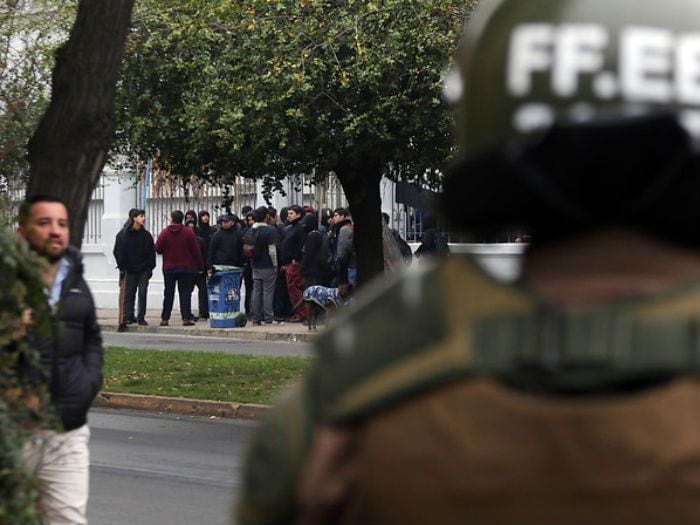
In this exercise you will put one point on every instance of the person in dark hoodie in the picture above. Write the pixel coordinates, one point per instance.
(434, 243)
(190, 215)
(204, 231)
(182, 260)
(316, 254)
(293, 238)
(70, 362)
(247, 275)
(136, 258)
(201, 280)
(343, 247)
(226, 246)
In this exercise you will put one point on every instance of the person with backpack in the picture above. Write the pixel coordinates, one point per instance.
(343, 248)
(434, 243)
(404, 247)
(316, 254)
(260, 246)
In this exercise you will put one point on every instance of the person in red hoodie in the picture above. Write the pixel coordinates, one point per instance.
(182, 261)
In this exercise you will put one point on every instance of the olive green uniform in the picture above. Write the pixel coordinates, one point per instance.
(469, 401)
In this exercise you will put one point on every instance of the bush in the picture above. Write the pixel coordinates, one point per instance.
(23, 399)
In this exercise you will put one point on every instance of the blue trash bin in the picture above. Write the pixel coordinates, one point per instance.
(224, 290)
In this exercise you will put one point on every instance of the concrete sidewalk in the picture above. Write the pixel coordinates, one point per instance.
(289, 332)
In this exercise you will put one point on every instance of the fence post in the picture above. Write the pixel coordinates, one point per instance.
(119, 198)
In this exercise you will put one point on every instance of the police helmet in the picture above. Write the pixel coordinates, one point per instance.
(572, 114)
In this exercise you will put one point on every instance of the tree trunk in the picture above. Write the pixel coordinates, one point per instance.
(69, 148)
(361, 187)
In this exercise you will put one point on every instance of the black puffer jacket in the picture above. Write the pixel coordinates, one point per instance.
(133, 250)
(72, 358)
(226, 248)
(293, 238)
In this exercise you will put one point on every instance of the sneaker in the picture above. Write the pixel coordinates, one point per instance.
(130, 321)
(164, 323)
(188, 322)
(295, 319)
(121, 327)
(142, 322)
(257, 323)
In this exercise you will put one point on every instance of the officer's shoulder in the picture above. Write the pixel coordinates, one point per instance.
(401, 332)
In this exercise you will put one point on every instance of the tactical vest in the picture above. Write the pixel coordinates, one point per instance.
(453, 321)
(474, 401)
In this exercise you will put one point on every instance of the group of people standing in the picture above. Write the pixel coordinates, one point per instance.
(280, 256)
(293, 253)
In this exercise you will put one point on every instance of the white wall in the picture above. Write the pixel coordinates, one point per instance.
(120, 195)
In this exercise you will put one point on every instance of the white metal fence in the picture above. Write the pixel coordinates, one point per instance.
(165, 194)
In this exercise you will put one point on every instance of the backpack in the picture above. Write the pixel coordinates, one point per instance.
(250, 240)
(441, 246)
(403, 246)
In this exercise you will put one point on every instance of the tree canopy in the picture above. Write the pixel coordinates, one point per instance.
(30, 32)
(23, 404)
(273, 89)
(276, 88)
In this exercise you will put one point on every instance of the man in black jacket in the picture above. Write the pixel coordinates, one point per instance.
(136, 258)
(226, 246)
(293, 238)
(71, 363)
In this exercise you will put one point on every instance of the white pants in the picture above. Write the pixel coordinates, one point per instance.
(61, 461)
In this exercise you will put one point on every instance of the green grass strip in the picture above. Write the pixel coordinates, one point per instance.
(200, 375)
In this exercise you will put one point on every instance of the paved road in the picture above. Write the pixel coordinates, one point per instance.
(152, 469)
(205, 343)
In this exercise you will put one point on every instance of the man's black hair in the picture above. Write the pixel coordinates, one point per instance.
(341, 211)
(177, 217)
(260, 213)
(135, 212)
(246, 210)
(25, 208)
(297, 209)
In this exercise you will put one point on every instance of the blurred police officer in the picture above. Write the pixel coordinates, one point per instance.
(571, 397)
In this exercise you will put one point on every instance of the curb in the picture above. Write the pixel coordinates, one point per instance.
(233, 333)
(184, 406)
